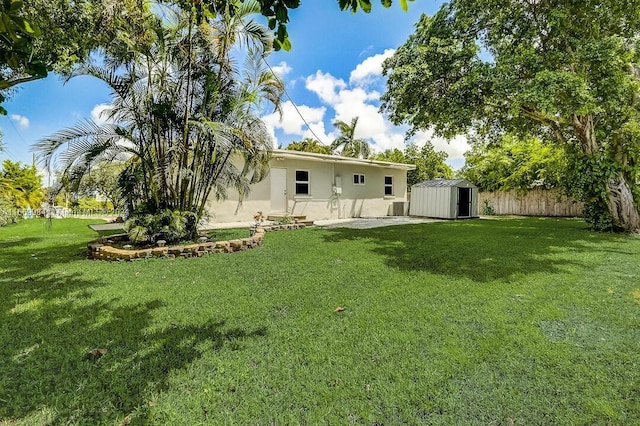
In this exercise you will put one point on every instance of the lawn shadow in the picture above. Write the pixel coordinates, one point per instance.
(33, 246)
(83, 360)
(481, 250)
(27, 256)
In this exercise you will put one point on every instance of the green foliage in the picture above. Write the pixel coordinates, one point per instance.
(392, 155)
(487, 208)
(588, 177)
(561, 71)
(104, 180)
(90, 203)
(276, 11)
(8, 214)
(21, 185)
(17, 36)
(351, 146)
(441, 326)
(284, 219)
(171, 226)
(517, 163)
(309, 145)
(430, 164)
(28, 52)
(365, 5)
(185, 118)
(82, 203)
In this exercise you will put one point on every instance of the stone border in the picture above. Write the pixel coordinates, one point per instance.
(100, 250)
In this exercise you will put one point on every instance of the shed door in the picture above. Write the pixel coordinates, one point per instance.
(278, 190)
(464, 202)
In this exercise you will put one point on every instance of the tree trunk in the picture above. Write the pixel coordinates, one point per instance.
(620, 202)
(622, 206)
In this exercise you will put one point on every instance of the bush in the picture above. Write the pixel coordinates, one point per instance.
(487, 208)
(8, 217)
(168, 225)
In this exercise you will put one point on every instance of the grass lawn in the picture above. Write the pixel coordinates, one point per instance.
(487, 322)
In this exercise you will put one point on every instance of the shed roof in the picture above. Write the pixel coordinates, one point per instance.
(439, 183)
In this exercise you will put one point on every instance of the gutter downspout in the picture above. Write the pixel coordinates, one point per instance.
(336, 192)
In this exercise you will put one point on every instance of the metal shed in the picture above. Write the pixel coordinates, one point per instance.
(444, 199)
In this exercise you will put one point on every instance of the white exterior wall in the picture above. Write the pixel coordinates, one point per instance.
(366, 200)
(433, 202)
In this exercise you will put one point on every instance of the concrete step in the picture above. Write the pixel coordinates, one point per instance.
(278, 216)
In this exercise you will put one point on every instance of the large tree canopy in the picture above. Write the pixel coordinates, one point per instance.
(561, 70)
(40, 36)
(277, 12)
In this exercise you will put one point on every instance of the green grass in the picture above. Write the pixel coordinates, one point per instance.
(519, 321)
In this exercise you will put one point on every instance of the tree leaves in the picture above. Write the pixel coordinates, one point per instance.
(181, 110)
(562, 71)
(351, 146)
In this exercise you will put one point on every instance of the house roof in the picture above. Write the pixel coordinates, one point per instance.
(440, 183)
(312, 156)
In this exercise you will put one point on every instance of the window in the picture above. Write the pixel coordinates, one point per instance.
(358, 179)
(302, 182)
(388, 185)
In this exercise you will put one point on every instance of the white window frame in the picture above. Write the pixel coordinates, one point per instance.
(388, 185)
(361, 179)
(307, 182)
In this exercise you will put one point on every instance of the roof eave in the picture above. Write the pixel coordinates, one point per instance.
(312, 156)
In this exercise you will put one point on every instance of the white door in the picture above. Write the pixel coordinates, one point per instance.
(278, 190)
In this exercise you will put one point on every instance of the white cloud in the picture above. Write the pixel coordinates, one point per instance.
(293, 124)
(282, 69)
(325, 86)
(455, 147)
(369, 69)
(22, 121)
(356, 99)
(100, 112)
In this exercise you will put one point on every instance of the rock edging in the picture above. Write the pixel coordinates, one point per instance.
(101, 250)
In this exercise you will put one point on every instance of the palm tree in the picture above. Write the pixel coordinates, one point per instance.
(183, 116)
(351, 147)
(309, 145)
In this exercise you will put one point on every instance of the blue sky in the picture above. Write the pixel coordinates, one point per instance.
(333, 72)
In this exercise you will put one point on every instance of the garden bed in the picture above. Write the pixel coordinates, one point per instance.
(107, 248)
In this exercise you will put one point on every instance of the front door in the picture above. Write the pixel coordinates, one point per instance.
(464, 202)
(278, 190)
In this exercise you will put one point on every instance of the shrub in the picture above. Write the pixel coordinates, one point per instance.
(487, 208)
(8, 217)
(167, 225)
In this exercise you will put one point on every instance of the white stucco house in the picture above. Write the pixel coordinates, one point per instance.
(319, 187)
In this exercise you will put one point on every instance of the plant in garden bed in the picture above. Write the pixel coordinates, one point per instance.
(258, 219)
(284, 220)
(170, 226)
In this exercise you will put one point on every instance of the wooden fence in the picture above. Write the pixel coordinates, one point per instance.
(536, 202)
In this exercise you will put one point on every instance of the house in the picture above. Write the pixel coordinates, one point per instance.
(444, 199)
(319, 187)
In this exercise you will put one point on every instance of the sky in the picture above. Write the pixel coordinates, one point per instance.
(333, 72)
